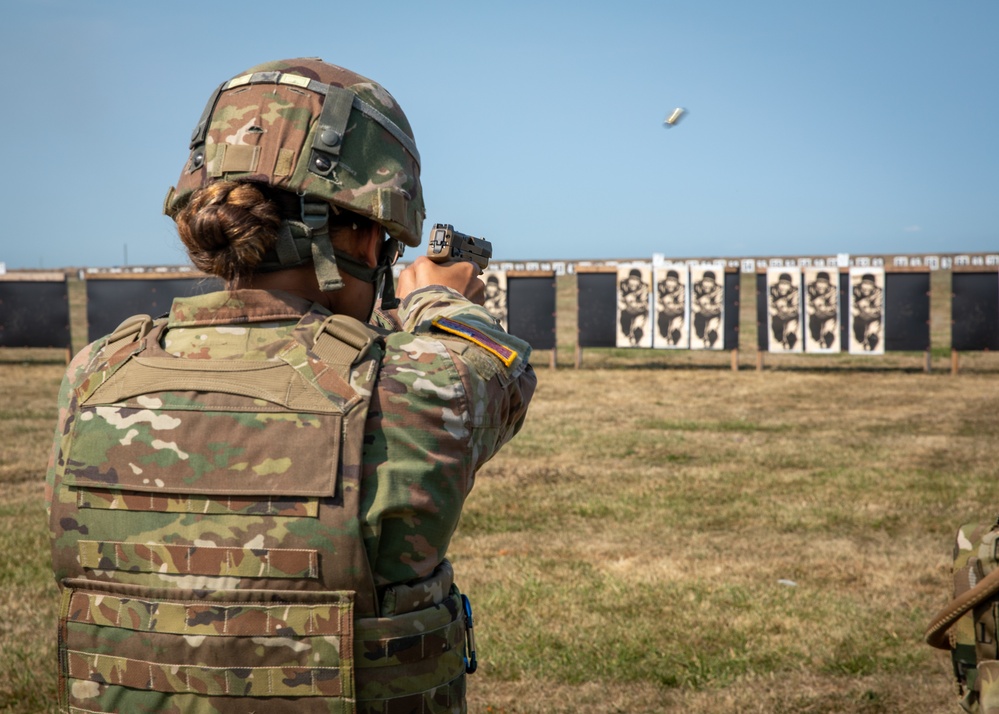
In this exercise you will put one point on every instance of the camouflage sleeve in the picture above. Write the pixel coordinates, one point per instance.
(493, 365)
(444, 405)
(74, 373)
(385, 320)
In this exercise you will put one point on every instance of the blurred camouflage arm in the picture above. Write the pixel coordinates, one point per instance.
(499, 392)
(421, 307)
(71, 379)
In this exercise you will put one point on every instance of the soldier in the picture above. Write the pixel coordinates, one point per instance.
(822, 310)
(251, 500)
(672, 299)
(706, 307)
(867, 309)
(785, 311)
(633, 303)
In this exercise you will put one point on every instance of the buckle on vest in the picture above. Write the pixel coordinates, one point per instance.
(133, 329)
(351, 332)
(471, 663)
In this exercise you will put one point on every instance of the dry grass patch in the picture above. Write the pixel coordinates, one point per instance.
(639, 529)
(626, 552)
(28, 597)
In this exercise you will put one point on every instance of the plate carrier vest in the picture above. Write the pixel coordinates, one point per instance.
(205, 529)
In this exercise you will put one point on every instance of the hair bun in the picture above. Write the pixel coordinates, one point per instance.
(227, 227)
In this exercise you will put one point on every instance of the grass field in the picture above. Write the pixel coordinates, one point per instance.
(665, 535)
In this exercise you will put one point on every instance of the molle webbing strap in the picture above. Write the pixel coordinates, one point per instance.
(155, 370)
(287, 252)
(318, 87)
(292, 247)
(213, 649)
(324, 259)
(329, 133)
(351, 341)
(131, 330)
(316, 217)
(201, 130)
(126, 340)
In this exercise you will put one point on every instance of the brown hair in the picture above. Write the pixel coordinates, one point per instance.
(227, 227)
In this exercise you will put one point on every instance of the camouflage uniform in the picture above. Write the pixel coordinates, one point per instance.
(168, 539)
(968, 625)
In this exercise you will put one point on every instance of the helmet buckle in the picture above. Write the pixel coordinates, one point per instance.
(315, 214)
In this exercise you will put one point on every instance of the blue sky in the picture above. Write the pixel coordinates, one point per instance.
(813, 128)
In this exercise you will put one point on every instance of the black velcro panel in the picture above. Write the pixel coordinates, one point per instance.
(531, 306)
(34, 313)
(907, 311)
(111, 301)
(975, 311)
(597, 303)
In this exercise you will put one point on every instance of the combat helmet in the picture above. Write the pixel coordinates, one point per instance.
(336, 139)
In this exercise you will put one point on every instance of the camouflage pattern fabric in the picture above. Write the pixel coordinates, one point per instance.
(265, 523)
(988, 684)
(974, 638)
(275, 122)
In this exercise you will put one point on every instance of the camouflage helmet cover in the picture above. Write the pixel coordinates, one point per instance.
(314, 129)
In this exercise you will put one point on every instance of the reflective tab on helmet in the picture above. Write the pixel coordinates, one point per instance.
(294, 79)
(389, 205)
(238, 81)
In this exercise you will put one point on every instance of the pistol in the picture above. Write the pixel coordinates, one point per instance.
(448, 244)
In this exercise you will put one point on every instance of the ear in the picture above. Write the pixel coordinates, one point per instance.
(369, 245)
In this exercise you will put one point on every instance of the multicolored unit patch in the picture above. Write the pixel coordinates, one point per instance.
(504, 353)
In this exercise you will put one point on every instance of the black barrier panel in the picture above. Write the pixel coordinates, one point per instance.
(975, 311)
(907, 311)
(732, 311)
(597, 303)
(531, 310)
(762, 333)
(34, 313)
(111, 301)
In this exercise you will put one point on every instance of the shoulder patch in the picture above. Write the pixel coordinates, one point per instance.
(504, 353)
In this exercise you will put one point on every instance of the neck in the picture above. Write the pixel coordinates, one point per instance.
(355, 298)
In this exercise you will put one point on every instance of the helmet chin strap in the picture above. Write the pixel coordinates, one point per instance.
(300, 241)
(380, 276)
